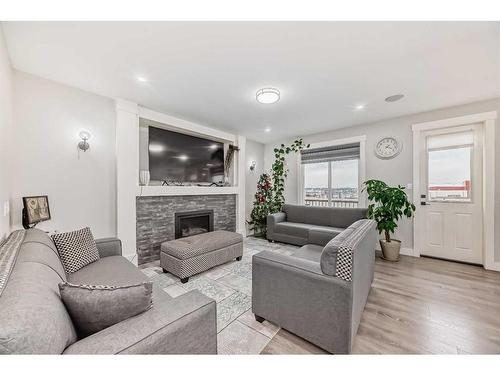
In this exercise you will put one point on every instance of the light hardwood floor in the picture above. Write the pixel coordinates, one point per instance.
(421, 306)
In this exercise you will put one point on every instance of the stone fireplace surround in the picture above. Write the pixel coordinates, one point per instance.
(156, 218)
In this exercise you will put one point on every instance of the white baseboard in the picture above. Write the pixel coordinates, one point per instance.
(404, 251)
(495, 266)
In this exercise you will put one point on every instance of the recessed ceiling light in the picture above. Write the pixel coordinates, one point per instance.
(142, 79)
(268, 95)
(394, 98)
(183, 157)
(359, 107)
(267, 130)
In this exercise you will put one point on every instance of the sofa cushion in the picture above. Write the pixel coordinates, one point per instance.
(94, 308)
(319, 235)
(295, 213)
(33, 318)
(76, 249)
(309, 252)
(113, 270)
(293, 229)
(344, 217)
(329, 254)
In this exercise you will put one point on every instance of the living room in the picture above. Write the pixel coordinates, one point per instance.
(262, 187)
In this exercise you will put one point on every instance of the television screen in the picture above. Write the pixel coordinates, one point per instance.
(184, 158)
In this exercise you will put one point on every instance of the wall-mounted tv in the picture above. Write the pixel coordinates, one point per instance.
(184, 158)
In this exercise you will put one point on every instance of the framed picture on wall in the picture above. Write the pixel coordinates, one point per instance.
(36, 209)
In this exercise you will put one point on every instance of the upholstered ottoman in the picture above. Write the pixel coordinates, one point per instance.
(187, 256)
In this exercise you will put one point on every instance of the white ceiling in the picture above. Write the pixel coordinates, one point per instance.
(208, 72)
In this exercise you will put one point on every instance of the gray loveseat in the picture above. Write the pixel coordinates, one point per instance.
(318, 293)
(33, 319)
(300, 225)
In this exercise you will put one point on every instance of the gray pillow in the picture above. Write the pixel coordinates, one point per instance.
(95, 307)
(76, 249)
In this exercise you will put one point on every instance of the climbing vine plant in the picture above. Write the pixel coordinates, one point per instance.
(270, 197)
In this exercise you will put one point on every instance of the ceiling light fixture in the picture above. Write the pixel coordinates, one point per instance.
(359, 107)
(394, 98)
(267, 130)
(142, 79)
(268, 95)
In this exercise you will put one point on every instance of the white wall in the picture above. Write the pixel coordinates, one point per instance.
(45, 159)
(399, 169)
(6, 107)
(254, 151)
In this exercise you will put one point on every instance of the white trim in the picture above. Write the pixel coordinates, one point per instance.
(487, 120)
(455, 121)
(187, 126)
(361, 139)
(157, 190)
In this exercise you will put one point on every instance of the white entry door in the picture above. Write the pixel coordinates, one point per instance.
(450, 207)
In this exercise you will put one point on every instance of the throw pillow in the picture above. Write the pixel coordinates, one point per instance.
(76, 249)
(94, 308)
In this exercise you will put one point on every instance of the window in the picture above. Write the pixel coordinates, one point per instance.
(449, 166)
(331, 176)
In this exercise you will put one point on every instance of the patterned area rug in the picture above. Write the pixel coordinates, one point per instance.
(230, 285)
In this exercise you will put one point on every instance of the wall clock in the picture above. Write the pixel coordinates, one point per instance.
(387, 148)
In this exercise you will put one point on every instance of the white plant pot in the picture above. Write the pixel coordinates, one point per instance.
(390, 250)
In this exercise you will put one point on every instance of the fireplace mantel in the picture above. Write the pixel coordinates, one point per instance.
(156, 191)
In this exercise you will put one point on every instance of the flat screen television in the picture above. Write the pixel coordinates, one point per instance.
(177, 157)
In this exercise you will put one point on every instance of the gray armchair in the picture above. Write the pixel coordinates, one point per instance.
(318, 293)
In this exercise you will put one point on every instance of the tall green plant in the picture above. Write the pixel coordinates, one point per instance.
(280, 173)
(270, 198)
(389, 205)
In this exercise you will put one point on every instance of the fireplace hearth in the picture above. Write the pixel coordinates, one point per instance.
(190, 223)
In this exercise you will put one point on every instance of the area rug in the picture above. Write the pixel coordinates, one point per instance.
(230, 285)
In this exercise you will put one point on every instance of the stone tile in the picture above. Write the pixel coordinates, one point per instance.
(266, 328)
(164, 279)
(231, 308)
(149, 272)
(208, 287)
(238, 338)
(241, 284)
(240, 268)
(216, 273)
(175, 290)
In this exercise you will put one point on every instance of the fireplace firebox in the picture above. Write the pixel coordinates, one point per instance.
(190, 223)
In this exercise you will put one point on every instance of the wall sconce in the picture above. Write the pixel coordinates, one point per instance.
(252, 165)
(83, 144)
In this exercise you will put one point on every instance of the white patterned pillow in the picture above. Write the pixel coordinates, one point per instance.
(76, 249)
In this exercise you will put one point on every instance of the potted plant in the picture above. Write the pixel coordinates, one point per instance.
(387, 205)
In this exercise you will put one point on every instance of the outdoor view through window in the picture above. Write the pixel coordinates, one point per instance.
(449, 166)
(333, 183)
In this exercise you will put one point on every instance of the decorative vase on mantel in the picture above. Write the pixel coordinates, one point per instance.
(144, 178)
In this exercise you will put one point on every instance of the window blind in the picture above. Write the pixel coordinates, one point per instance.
(330, 153)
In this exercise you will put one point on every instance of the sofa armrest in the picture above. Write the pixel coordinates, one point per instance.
(271, 221)
(183, 325)
(294, 294)
(109, 246)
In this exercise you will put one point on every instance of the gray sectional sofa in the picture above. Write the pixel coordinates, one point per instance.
(300, 225)
(34, 320)
(319, 292)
